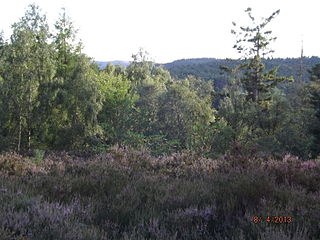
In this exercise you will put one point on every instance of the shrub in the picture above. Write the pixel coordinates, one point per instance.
(14, 164)
(130, 194)
(38, 156)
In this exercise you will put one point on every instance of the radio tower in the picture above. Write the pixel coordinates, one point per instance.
(301, 62)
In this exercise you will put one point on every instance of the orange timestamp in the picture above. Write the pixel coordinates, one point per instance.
(272, 219)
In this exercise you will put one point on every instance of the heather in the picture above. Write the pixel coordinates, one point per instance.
(130, 194)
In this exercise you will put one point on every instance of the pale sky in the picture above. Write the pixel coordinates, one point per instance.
(176, 29)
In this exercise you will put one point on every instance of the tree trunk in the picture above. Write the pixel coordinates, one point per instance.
(19, 134)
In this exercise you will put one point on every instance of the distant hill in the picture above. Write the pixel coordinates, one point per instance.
(116, 62)
(209, 68)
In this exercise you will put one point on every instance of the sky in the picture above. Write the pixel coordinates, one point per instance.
(176, 29)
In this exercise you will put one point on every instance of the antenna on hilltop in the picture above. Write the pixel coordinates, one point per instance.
(301, 61)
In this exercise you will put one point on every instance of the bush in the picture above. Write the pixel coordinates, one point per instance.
(38, 156)
(14, 164)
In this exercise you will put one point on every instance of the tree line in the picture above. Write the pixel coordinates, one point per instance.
(209, 68)
(53, 96)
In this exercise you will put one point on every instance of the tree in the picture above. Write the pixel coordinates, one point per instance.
(234, 108)
(252, 105)
(253, 42)
(148, 83)
(116, 116)
(3, 50)
(77, 97)
(185, 112)
(314, 91)
(28, 66)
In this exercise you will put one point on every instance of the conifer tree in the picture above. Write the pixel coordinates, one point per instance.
(78, 97)
(253, 42)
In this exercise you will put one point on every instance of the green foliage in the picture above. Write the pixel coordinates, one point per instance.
(253, 42)
(38, 156)
(115, 118)
(209, 68)
(260, 114)
(28, 64)
(49, 88)
(78, 99)
(160, 145)
(52, 96)
(222, 136)
(281, 128)
(314, 92)
(185, 111)
(149, 83)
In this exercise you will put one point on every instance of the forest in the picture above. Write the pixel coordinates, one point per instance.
(210, 68)
(194, 149)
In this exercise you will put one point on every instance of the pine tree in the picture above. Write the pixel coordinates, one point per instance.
(78, 98)
(253, 42)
